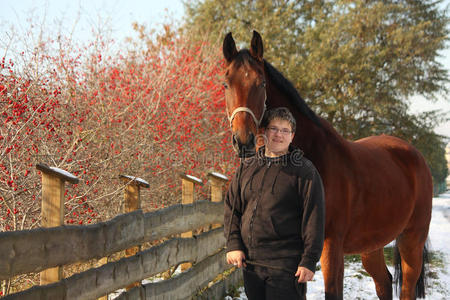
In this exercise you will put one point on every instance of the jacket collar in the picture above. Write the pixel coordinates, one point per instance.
(283, 158)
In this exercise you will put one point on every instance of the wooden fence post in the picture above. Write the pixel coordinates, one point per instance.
(102, 261)
(217, 182)
(187, 197)
(52, 211)
(132, 202)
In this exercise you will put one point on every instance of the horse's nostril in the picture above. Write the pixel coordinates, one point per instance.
(251, 139)
(248, 149)
(234, 140)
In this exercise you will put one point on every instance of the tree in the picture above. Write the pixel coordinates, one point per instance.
(154, 111)
(355, 62)
(418, 130)
(365, 59)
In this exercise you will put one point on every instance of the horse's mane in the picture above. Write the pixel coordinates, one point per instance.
(243, 58)
(284, 85)
(291, 92)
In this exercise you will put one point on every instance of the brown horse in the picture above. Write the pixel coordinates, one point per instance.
(378, 189)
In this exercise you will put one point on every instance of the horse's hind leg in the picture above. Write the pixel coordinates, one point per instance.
(411, 246)
(375, 265)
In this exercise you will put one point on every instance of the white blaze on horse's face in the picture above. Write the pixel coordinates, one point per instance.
(245, 90)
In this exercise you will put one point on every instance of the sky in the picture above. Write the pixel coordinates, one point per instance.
(80, 16)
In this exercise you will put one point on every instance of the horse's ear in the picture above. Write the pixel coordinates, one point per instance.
(256, 46)
(229, 48)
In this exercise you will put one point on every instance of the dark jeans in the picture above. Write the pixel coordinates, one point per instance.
(272, 284)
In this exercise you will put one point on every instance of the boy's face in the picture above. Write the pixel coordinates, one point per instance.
(279, 135)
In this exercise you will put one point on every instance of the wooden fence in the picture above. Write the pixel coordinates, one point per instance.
(47, 249)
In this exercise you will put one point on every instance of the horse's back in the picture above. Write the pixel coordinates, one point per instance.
(394, 149)
(392, 187)
(397, 156)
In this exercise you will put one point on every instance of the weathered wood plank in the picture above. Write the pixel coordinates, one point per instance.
(123, 233)
(97, 282)
(217, 291)
(220, 289)
(37, 249)
(186, 284)
(146, 264)
(136, 293)
(180, 218)
(54, 291)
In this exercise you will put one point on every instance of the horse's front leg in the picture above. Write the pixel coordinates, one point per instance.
(332, 263)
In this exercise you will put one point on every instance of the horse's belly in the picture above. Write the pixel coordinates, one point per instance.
(356, 243)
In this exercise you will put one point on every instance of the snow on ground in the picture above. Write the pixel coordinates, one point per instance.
(359, 286)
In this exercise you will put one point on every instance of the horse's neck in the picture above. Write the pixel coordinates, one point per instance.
(312, 140)
(324, 146)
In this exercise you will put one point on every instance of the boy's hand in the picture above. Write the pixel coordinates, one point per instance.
(237, 258)
(304, 274)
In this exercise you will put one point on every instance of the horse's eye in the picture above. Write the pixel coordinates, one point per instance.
(225, 85)
(263, 84)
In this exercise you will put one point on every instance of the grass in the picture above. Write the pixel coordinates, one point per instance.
(436, 265)
(436, 258)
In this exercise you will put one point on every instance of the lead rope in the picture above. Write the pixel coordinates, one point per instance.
(255, 263)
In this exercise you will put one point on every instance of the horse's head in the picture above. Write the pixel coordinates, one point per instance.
(245, 91)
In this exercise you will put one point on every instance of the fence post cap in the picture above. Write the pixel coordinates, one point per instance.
(64, 175)
(135, 180)
(217, 176)
(191, 178)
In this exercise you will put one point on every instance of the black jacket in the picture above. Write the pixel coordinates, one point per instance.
(279, 209)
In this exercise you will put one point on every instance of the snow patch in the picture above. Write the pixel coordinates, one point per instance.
(194, 178)
(137, 179)
(63, 172)
(219, 175)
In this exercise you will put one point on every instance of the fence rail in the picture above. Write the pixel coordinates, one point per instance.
(189, 281)
(43, 248)
(97, 282)
(38, 249)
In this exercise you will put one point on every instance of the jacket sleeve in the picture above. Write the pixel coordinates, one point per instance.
(232, 198)
(313, 220)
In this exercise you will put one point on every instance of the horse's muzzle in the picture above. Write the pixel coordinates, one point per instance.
(244, 149)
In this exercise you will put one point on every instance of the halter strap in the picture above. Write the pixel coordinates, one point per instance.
(248, 110)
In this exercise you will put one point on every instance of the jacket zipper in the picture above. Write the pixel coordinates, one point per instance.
(250, 236)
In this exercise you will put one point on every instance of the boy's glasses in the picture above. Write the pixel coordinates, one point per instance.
(283, 131)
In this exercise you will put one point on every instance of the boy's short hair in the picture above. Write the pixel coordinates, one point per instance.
(281, 113)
